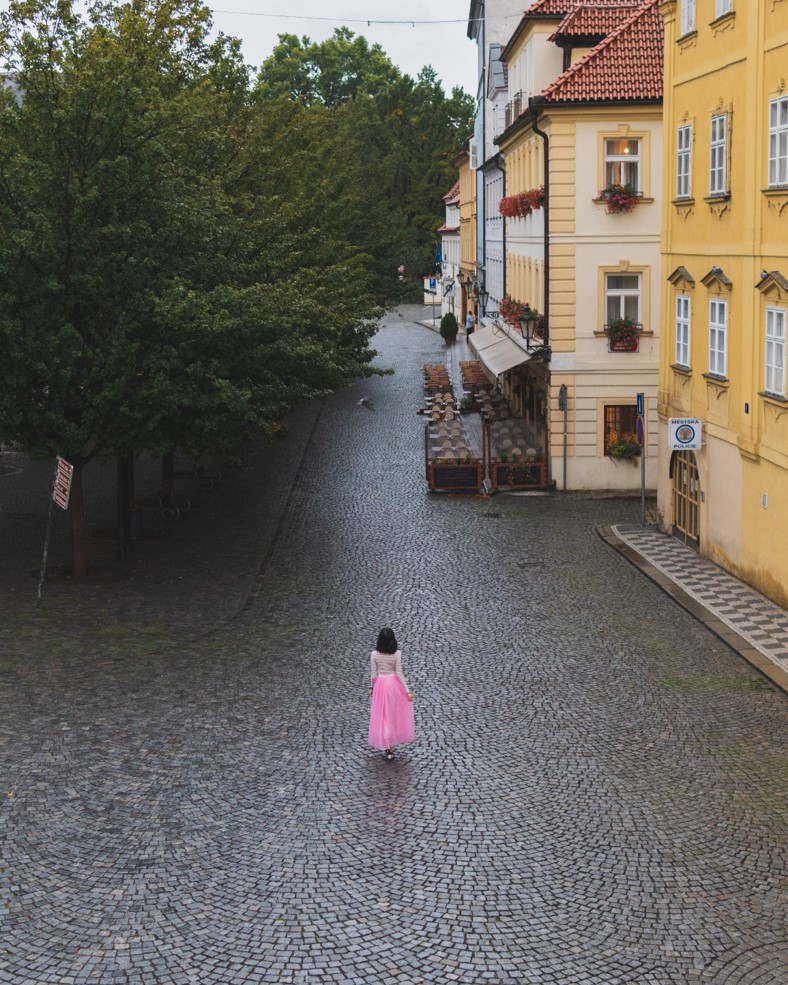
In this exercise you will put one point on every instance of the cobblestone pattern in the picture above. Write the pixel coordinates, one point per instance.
(597, 794)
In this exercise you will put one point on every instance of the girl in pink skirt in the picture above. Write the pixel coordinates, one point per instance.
(391, 720)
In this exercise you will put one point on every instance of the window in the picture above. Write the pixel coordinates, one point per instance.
(687, 16)
(723, 7)
(682, 330)
(620, 425)
(775, 351)
(778, 142)
(622, 162)
(473, 154)
(718, 180)
(622, 297)
(718, 334)
(683, 162)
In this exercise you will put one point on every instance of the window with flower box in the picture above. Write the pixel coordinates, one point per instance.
(682, 330)
(622, 297)
(778, 142)
(621, 431)
(774, 381)
(718, 337)
(684, 162)
(718, 176)
(622, 162)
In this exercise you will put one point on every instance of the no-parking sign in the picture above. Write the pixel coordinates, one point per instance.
(685, 433)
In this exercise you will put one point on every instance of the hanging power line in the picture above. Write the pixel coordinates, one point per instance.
(369, 21)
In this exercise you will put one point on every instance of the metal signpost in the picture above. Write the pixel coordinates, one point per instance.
(60, 494)
(640, 432)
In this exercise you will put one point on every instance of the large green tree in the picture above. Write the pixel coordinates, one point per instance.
(158, 287)
(393, 141)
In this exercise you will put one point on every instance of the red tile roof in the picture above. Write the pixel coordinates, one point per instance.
(626, 66)
(453, 195)
(587, 20)
(560, 8)
(549, 8)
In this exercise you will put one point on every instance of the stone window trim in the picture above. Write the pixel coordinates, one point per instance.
(716, 379)
(681, 370)
(625, 132)
(773, 398)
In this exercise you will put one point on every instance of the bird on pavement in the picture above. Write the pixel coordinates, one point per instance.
(366, 402)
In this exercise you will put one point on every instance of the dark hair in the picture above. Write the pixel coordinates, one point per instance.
(387, 641)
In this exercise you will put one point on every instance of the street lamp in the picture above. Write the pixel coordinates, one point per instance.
(526, 324)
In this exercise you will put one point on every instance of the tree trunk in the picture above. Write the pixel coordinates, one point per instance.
(122, 516)
(79, 541)
(168, 479)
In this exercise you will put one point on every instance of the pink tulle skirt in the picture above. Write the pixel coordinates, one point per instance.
(391, 721)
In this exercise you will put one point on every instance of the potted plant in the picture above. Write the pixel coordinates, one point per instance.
(624, 445)
(619, 198)
(623, 334)
(449, 327)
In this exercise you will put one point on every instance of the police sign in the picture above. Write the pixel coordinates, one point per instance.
(685, 433)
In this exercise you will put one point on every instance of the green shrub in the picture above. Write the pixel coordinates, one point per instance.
(449, 326)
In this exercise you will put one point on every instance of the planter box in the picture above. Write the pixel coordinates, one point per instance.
(456, 478)
(622, 345)
(529, 475)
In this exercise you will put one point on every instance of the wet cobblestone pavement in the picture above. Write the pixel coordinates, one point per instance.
(597, 794)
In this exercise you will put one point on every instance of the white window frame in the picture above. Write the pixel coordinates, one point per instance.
(623, 294)
(723, 7)
(620, 166)
(684, 161)
(683, 326)
(687, 17)
(718, 155)
(778, 142)
(774, 368)
(473, 154)
(718, 337)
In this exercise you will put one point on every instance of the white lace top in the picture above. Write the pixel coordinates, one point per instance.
(387, 663)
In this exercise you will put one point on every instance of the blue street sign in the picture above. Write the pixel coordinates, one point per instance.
(640, 405)
(640, 431)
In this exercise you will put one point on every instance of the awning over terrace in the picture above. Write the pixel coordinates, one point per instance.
(497, 352)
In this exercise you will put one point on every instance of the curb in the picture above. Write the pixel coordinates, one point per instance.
(776, 675)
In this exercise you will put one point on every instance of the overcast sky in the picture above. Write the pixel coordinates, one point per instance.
(413, 33)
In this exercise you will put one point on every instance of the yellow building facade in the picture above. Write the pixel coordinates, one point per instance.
(588, 118)
(725, 286)
(467, 226)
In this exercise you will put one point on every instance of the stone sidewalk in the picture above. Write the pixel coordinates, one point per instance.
(747, 621)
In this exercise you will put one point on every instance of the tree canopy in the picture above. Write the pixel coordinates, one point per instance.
(188, 251)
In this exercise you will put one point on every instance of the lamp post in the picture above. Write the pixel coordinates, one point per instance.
(527, 320)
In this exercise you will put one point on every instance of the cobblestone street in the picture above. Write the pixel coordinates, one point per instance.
(597, 793)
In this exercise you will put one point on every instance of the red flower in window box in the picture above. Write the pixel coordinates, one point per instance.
(623, 335)
(619, 198)
(522, 204)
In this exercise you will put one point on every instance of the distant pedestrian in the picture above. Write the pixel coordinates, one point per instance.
(470, 321)
(391, 720)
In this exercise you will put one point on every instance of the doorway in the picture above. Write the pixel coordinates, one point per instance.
(686, 498)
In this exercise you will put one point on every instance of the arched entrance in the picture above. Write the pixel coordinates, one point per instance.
(686, 497)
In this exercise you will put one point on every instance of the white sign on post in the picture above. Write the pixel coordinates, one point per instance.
(685, 433)
(62, 490)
